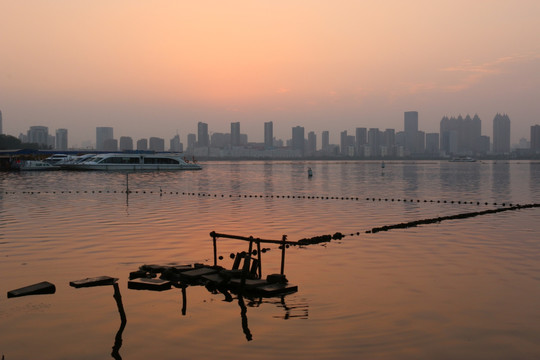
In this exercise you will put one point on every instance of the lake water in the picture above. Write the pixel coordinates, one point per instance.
(466, 288)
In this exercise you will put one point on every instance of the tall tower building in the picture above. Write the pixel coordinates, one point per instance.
(102, 135)
(411, 130)
(156, 144)
(126, 143)
(325, 140)
(38, 135)
(61, 139)
(298, 139)
(535, 139)
(1, 131)
(268, 135)
(142, 144)
(191, 141)
(360, 141)
(501, 134)
(374, 142)
(235, 134)
(202, 135)
(311, 143)
(176, 145)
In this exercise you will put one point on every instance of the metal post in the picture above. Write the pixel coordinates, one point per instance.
(215, 247)
(247, 262)
(260, 262)
(283, 240)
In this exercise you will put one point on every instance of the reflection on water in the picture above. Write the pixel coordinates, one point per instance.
(464, 288)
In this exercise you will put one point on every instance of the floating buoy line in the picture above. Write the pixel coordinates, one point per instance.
(328, 237)
(161, 192)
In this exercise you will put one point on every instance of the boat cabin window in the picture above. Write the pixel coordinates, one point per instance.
(161, 161)
(121, 160)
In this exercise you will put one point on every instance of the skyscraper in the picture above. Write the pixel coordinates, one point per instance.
(311, 143)
(176, 145)
(268, 135)
(535, 139)
(203, 139)
(374, 142)
(298, 139)
(235, 134)
(501, 134)
(38, 135)
(156, 144)
(360, 141)
(126, 143)
(61, 139)
(142, 144)
(1, 122)
(325, 140)
(411, 130)
(103, 134)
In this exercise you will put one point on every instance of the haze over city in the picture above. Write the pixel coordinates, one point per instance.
(158, 68)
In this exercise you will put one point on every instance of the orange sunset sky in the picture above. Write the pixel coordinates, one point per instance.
(154, 68)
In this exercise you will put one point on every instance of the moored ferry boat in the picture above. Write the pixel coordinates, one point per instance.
(134, 162)
(462, 159)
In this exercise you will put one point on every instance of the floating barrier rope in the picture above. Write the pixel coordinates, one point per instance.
(245, 196)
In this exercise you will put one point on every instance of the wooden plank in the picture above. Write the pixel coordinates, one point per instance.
(95, 281)
(149, 284)
(197, 273)
(214, 278)
(250, 283)
(43, 287)
(276, 289)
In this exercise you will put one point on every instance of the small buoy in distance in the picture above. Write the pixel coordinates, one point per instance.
(220, 257)
(231, 256)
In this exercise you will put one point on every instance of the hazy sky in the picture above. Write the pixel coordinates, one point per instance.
(152, 68)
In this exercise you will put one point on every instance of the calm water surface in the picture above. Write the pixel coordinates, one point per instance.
(457, 289)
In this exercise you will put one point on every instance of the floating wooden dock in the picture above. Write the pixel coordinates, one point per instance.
(41, 288)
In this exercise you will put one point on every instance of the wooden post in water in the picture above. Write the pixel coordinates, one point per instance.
(213, 235)
(259, 257)
(247, 263)
(283, 241)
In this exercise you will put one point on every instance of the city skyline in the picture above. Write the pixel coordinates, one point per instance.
(349, 64)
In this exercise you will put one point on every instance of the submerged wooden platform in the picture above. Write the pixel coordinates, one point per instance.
(41, 288)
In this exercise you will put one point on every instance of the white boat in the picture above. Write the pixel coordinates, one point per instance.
(134, 162)
(462, 159)
(58, 159)
(35, 165)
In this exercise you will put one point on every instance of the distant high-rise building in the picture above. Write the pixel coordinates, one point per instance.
(202, 135)
(311, 143)
(432, 144)
(388, 140)
(411, 130)
(535, 139)
(38, 135)
(142, 144)
(103, 134)
(325, 140)
(176, 145)
(360, 140)
(156, 144)
(191, 141)
(1, 131)
(374, 142)
(298, 139)
(501, 134)
(110, 145)
(460, 135)
(343, 143)
(268, 135)
(235, 134)
(220, 140)
(126, 143)
(61, 139)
